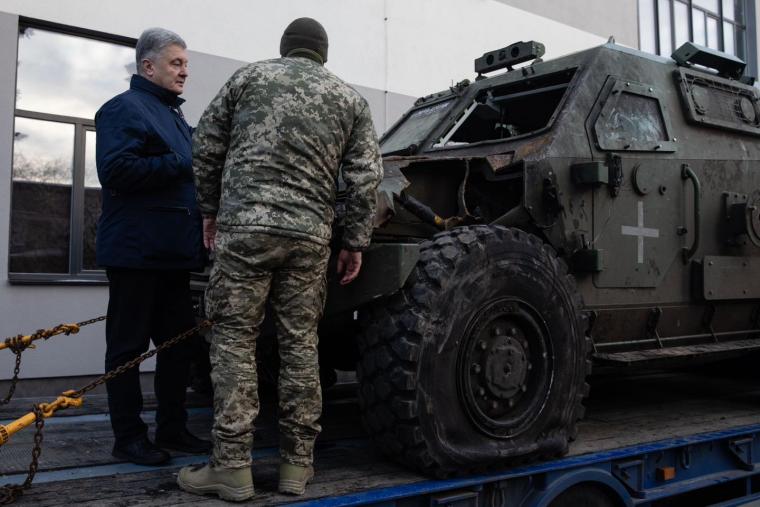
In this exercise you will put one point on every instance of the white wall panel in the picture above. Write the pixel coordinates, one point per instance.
(423, 45)
(432, 43)
(238, 29)
(601, 17)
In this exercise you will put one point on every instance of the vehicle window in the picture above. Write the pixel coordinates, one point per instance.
(509, 110)
(416, 127)
(633, 120)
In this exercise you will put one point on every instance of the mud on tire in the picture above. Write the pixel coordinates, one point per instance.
(480, 358)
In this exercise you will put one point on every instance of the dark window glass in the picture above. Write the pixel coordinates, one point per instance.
(416, 127)
(740, 43)
(42, 175)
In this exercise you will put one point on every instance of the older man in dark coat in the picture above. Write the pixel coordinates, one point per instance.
(149, 239)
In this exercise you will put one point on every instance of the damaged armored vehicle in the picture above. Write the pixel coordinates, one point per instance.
(602, 207)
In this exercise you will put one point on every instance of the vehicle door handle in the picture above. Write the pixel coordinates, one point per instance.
(688, 174)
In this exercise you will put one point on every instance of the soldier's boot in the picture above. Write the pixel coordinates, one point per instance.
(293, 478)
(234, 484)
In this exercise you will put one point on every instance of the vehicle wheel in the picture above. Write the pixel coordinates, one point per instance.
(481, 358)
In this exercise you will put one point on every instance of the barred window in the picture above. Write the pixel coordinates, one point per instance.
(664, 25)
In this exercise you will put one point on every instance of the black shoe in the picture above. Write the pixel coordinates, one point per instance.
(141, 451)
(184, 441)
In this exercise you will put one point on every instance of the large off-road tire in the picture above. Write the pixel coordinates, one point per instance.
(481, 358)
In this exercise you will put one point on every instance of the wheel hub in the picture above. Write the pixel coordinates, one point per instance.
(504, 365)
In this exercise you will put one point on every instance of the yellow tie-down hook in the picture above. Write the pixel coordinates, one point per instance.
(65, 400)
(26, 341)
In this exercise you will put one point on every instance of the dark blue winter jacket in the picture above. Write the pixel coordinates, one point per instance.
(150, 219)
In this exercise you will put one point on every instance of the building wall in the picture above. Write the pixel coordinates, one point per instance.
(600, 17)
(391, 50)
(405, 46)
(24, 309)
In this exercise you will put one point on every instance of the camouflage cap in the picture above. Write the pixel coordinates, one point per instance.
(304, 33)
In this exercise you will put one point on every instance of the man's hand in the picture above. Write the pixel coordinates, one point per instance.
(209, 232)
(349, 265)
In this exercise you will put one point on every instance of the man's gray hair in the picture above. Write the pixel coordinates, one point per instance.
(152, 42)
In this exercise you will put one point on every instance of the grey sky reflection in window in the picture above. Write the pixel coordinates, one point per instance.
(92, 202)
(90, 170)
(43, 151)
(67, 75)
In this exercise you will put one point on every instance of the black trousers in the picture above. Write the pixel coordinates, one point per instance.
(147, 305)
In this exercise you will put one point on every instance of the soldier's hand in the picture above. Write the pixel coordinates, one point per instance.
(209, 232)
(349, 265)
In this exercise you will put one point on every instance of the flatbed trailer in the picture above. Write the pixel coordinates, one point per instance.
(654, 439)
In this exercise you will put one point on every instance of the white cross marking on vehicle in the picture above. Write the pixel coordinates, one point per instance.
(640, 232)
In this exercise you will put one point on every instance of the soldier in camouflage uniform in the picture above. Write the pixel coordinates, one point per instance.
(266, 156)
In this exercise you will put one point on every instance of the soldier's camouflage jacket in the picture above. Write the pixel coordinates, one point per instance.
(267, 150)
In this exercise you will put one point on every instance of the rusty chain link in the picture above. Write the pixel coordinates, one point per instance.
(139, 359)
(14, 380)
(9, 493)
(17, 346)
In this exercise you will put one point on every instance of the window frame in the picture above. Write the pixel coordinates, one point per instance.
(617, 87)
(748, 25)
(449, 122)
(77, 274)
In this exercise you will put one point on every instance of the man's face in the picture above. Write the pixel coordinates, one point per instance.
(169, 70)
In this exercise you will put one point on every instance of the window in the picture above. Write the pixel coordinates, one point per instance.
(664, 25)
(415, 128)
(511, 110)
(631, 119)
(63, 78)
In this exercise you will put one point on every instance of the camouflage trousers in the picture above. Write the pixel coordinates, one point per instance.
(249, 269)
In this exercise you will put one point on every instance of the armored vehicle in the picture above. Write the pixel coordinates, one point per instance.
(602, 208)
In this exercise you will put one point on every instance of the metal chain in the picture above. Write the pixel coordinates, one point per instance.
(14, 380)
(16, 344)
(139, 359)
(91, 321)
(11, 492)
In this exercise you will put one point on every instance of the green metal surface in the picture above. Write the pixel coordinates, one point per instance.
(590, 173)
(385, 268)
(731, 277)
